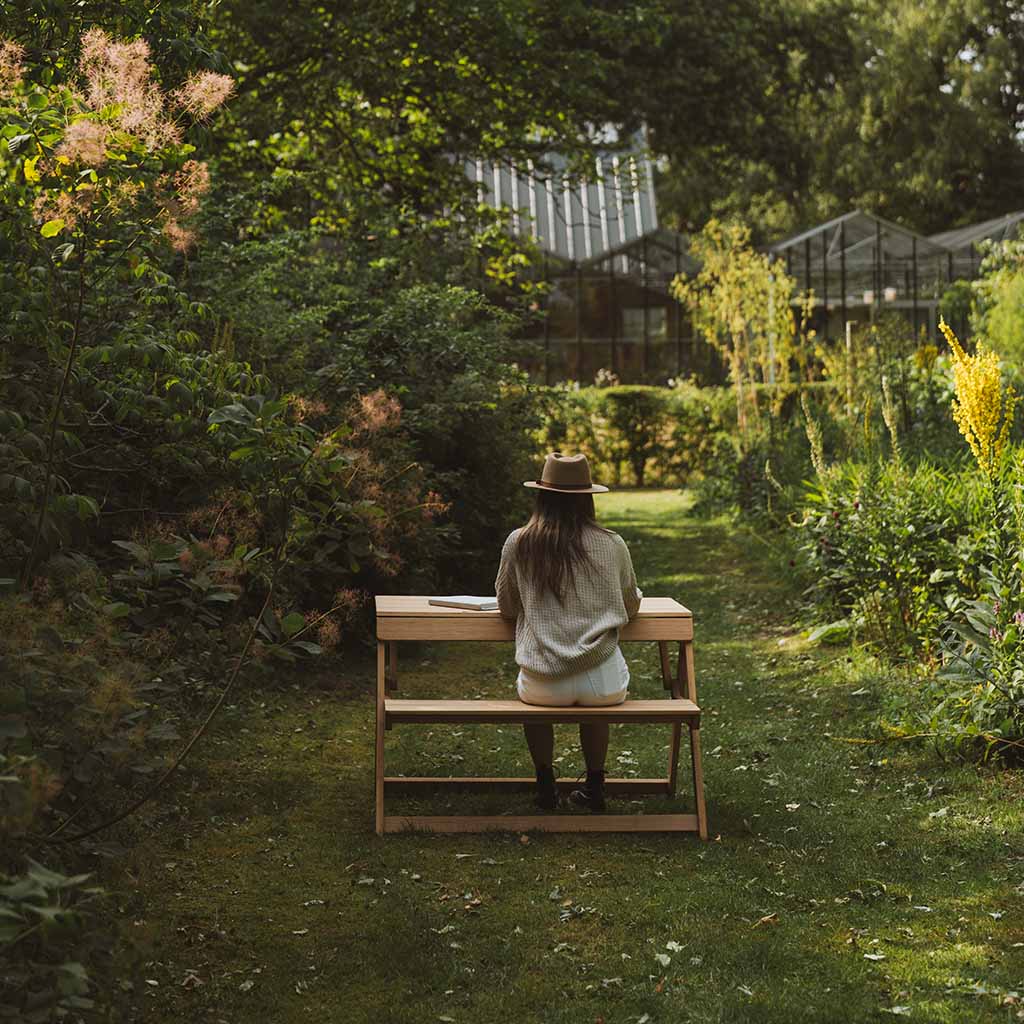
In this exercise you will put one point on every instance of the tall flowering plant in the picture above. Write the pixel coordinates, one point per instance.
(984, 650)
(95, 177)
(983, 407)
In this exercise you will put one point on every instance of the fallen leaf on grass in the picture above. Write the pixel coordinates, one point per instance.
(301, 931)
(673, 947)
(746, 991)
(663, 958)
(767, 919)
(897, 1011)
(940, 813)
(874, 956)
(366, 880)
(792, 807)
(246, 985)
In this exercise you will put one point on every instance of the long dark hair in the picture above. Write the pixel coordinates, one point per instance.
(550, 547)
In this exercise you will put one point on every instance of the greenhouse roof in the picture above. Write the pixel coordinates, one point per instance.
(665, 252)
(997, 229)
(573, 220)
(855, 235)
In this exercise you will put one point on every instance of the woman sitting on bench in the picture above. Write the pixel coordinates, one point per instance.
(569, 585)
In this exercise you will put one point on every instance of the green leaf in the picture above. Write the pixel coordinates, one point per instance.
(831, 633)
(117, 610)
(52, 227)
(292, 623)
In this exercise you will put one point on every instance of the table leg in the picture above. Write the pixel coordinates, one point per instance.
(379, 747)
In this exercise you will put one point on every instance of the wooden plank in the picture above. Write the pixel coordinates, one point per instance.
(378, 754)
(673, 757)
(392, 665)
(666, 667)
(698, 782)
(691, 675)
(416, 786)
(502, 711)
(486, 626)
(490, 626)
(543, 823)
(418, 604)
(412, 617)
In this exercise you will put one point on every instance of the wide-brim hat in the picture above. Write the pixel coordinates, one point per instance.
(566, 474)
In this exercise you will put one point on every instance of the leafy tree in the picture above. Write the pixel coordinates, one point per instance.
(740, 301)
(910, 110)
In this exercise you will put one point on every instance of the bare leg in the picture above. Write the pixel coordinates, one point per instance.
(594, 741)
(541, 741)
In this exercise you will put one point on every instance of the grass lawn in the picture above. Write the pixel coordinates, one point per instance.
(843, 882)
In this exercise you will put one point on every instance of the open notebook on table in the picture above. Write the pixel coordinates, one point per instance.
(476, 604)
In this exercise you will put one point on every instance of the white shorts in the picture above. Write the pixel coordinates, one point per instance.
(603, 684)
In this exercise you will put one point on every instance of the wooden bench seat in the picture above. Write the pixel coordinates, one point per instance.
(660, 619)
(511, 711)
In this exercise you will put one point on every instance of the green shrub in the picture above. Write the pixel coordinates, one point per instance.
(50, 920)
(974, 704)
(884, 548)
(445, 355)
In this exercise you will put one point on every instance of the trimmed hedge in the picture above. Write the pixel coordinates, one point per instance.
(639, 435)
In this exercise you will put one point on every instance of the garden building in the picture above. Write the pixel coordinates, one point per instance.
(859, 266)
(608, 264)
(963, 243)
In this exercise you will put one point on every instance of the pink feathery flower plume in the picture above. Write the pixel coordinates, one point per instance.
(203, 92)
(180, 238)
(85, 142)
(119, 75)
(191, 182)
(12, 56)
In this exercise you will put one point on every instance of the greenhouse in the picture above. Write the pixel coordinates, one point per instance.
(860, 265)
(963, 243)
(608, 264)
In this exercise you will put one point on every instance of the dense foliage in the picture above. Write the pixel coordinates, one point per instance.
(258, 360)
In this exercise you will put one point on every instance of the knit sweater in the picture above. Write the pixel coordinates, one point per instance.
(557, 640)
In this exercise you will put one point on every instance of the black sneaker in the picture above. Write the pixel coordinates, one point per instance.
(592, 794)
(546, 793)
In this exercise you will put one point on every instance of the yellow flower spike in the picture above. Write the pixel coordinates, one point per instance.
(983, 408)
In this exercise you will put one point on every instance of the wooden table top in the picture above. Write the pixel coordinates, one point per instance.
(416, 606)
(408, 617)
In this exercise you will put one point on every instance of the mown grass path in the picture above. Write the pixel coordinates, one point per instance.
(845, 882)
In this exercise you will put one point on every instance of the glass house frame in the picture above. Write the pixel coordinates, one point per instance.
(608, 265)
